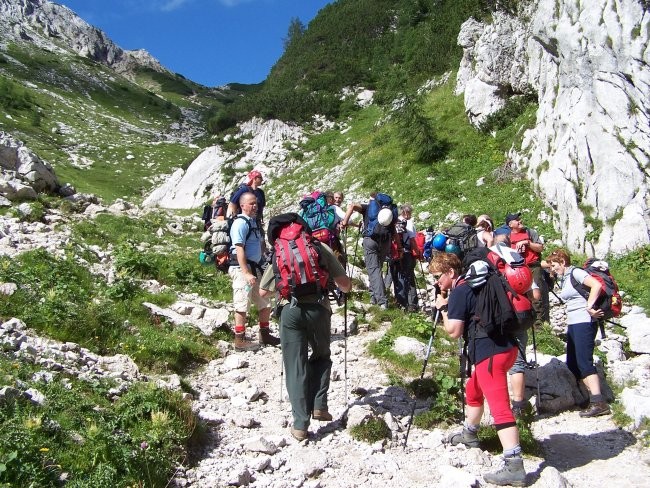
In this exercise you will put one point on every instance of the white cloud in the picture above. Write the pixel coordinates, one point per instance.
(232, 3)
(170, 5)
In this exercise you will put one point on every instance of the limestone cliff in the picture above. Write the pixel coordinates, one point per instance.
(48, 24)
(589, 63)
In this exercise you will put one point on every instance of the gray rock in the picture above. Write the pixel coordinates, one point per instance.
(409, 345)
(260, 444)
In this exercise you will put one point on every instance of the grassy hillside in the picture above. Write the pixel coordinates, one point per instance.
(468, 177)
(94, 125)
(388, 45)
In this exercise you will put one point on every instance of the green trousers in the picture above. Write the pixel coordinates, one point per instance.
(307, 377)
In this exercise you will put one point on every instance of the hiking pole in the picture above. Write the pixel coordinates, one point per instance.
(462, 365)
(539, 395)
(281, 377)
(424, 367)
(345, 345)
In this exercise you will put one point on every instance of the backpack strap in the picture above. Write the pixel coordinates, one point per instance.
(579, 287)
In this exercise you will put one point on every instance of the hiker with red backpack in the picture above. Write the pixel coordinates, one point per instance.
(582, 326)
(528, 243)
(379, 218)
(402, 265)
(245, 270)
(301, 266)
(491, 353)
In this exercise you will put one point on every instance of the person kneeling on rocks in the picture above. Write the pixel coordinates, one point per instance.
(492, 356)
(305, 322)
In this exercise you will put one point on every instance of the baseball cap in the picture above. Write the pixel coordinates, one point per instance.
(512, 216)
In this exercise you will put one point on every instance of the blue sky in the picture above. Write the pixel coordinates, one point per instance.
(212, 42)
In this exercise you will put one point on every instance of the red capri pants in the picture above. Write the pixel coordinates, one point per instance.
(492, 386)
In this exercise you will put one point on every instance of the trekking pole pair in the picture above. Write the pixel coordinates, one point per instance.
(424, 367)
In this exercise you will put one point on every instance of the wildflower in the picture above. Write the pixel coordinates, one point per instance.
(144, 445)
(44, 449)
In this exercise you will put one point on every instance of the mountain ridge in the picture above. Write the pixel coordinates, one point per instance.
(49, 22)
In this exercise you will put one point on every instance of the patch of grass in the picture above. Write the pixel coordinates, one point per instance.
(59, 298)
(632, 273)
(547, 341)
(137, 440)
(371, 430)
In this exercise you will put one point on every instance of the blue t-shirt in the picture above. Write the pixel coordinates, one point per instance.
(253, 245)
(462, 302)
(258, 192)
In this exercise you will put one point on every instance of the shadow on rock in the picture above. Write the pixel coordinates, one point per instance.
(567, 451)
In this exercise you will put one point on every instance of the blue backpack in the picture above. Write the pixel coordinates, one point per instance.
(373, 228)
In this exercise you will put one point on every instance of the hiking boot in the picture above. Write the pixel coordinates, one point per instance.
(243, 344)
(267, 339)
(298, 434)
(322, 415)
(596, 409)
(466, 436)
(512, 473)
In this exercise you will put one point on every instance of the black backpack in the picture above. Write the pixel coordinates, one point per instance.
(463, 236)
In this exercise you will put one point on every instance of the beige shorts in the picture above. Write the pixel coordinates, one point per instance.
(243, 294)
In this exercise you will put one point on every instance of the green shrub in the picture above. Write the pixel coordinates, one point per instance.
(137, 440)
(547, 341)
(371, 430)
(446, 405)
(514, 107)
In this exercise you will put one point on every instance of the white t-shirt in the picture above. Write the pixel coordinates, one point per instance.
(576, 304)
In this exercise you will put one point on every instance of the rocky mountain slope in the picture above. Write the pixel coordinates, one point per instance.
(50, 25)
(588, 65)
(589, 150)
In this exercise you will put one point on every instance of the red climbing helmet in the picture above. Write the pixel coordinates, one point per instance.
(520, 278)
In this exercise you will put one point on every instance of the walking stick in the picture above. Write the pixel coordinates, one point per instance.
(345, 319)
(462, 365)
(424, 367)
(539, 395)
(345, 345)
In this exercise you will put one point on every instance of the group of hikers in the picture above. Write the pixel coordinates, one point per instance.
(303, 259)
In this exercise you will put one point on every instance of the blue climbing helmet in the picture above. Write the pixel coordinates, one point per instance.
(439, 242)
(453, 249)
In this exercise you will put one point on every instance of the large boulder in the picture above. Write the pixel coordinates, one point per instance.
(22, 167)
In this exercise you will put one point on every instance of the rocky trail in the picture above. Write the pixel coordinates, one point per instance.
(249, 444)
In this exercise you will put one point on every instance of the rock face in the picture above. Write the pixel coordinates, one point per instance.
(266, 143)
(589, 64)
(23, 173)
(47, 22)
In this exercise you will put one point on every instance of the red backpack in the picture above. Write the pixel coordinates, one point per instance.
(296, 258)
(609, 300)
(418, 245)
(503, 305)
